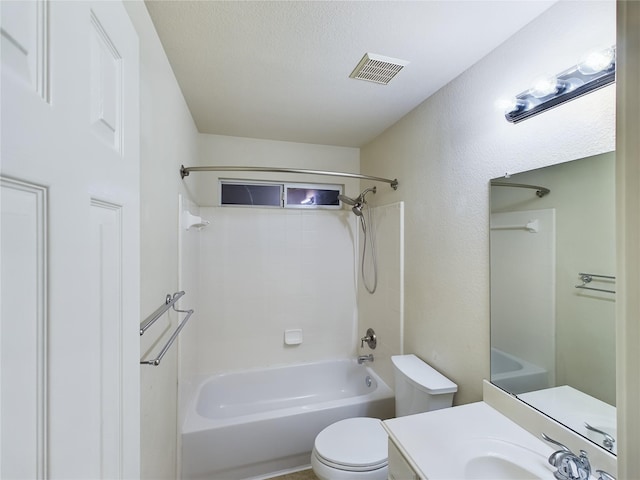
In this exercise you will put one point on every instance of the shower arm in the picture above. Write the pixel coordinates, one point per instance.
(185, 171)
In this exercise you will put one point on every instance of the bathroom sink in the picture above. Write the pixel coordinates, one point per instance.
(470, 442)
(495, 459)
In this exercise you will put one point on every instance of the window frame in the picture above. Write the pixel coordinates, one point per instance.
(284, 193)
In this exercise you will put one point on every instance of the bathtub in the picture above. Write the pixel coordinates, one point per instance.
(515, 374)
(256, 423)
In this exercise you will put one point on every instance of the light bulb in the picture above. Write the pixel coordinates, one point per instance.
(511, 105)
(544, 87)
(597, 61)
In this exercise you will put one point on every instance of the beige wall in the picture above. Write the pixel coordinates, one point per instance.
(168, 138)
(444, 153)
(628, 238)
(384, 310)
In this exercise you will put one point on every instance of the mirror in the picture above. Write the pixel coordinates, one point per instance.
(553, 292)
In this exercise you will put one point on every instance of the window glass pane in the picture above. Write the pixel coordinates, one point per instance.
(310, 197)
(250, 194)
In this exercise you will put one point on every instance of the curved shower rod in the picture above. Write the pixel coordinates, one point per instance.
(540, 191)
(185, 171)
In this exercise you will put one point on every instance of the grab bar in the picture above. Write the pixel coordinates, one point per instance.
(588, 277)
(170, 301)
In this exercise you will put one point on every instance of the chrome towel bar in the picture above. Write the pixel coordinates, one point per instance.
(588, 277)
(169, 302)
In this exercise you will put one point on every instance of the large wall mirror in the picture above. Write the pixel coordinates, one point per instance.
(553, 292)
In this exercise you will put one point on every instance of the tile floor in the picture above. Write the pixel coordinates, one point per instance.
(301, 475)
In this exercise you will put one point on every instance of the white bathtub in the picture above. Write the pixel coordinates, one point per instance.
(256, 423)
(515, 374)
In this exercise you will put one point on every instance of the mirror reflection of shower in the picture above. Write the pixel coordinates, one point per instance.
(358, 205)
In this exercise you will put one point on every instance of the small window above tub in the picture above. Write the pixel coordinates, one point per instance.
(311, 196)
(250, 194)
(279, 195)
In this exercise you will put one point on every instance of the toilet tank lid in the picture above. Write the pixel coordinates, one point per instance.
(423, 375)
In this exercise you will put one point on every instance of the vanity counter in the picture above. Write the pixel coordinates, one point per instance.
(465, 441)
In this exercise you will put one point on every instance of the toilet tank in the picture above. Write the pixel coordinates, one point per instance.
(419, 388)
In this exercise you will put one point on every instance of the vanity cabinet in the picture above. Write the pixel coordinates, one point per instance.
(399, 468)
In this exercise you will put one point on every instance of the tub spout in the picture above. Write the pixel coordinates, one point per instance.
(365, 358)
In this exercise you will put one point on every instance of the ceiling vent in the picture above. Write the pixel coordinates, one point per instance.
(377, 68)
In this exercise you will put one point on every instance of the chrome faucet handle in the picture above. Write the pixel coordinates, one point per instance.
(602, 475)
(608, 439)
(370, 338)
(572, 467)
(569, 465)
(555, 442)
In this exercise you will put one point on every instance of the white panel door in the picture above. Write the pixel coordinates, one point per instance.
(69, 342)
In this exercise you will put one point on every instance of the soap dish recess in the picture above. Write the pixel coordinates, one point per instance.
(293, 336)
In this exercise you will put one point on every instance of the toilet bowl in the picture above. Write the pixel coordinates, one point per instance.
(356, 448)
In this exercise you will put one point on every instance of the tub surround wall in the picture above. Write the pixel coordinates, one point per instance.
(444, 153)
(384, 310)
(263, 271)
(168, 137)
(188, 280)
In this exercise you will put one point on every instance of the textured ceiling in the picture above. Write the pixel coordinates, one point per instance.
(280, 70)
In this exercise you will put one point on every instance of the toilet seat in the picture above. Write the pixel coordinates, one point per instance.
(353, 445)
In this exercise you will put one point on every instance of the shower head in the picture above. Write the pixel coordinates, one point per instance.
(357, 209)
(358, 201)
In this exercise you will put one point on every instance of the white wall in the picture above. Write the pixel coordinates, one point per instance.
(264, 270)
(168, 138)
(444, 153)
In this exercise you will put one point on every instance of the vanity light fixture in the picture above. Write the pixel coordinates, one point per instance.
(596, 70)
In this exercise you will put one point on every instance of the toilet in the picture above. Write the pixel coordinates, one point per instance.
(356, 448)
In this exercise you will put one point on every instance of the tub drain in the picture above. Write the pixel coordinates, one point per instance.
(367, 380)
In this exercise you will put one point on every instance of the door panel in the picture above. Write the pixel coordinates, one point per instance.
(23, 324)
(70, 124)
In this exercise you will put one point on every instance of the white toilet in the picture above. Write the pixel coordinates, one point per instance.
(356, 448)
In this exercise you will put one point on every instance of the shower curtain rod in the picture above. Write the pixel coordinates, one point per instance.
(540, 191)
(185, 171)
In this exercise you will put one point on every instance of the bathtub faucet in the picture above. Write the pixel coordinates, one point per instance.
(365, 358)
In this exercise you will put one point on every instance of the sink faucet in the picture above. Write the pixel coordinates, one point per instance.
(608, 439)
(365, 358)
(569, 465)
(602, 475)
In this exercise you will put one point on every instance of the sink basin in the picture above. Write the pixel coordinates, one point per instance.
(494, 459)
(601, 424)
(493, 468)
